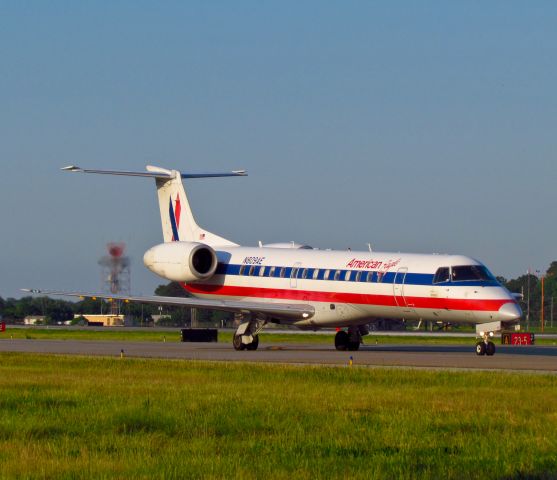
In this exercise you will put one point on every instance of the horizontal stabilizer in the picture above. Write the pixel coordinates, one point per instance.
(155, 172)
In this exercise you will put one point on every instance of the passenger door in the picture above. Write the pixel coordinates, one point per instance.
(398, 292)
(294, 275)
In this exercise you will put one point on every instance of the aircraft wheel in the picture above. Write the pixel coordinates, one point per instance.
(254, 344)
(490, 349)
(480, 348)
(353, 346)
(341, 340)
(237, 342)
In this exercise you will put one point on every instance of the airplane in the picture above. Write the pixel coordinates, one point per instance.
(295, 284)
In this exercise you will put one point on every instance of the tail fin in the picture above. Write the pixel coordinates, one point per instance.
(178, 222)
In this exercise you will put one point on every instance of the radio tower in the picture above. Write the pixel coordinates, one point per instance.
(115, 273)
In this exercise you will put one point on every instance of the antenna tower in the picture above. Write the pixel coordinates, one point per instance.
(115, 273)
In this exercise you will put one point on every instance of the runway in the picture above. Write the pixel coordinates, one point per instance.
(508, 358)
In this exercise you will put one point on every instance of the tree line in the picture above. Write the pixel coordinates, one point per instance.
(530, 286)
(55, 311)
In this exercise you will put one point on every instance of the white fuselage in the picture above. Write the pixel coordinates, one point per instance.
(349, 288)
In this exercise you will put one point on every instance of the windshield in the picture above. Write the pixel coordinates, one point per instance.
(471, 273)
(442, 275)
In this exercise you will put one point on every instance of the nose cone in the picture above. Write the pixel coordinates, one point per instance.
(509, 312)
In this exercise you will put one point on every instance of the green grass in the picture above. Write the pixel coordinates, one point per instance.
(80, 417)
(43, 333)
(149, 335)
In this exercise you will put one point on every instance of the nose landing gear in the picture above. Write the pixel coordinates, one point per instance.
(484, 347)
(485, 331)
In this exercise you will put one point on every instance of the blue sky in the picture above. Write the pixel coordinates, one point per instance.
(416, 126)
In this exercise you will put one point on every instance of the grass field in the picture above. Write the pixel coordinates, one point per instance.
(80, 417)
(149, 335)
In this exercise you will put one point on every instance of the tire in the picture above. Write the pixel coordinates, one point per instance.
(490, 349)
(353, 346)
(254, 344)
(237, 342)
(480, 348)
(341, 340)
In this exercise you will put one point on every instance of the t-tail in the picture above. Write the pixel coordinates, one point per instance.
(178, 222)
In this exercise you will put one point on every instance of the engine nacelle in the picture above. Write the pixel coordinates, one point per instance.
(181, 261)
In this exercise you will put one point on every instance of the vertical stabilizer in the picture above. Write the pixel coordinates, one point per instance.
(178, 222)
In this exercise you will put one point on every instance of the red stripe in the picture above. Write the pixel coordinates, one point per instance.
(341, 297)
(177, 211)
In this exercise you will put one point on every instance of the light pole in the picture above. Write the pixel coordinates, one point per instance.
(551, 312)
(539, 275)
(542, 312)
(528, 304)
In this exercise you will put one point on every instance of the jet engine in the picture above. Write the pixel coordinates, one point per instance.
(181, 261)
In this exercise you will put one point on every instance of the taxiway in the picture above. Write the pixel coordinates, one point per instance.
(510, 358)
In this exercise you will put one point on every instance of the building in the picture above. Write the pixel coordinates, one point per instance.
(105, 320)
(34, 320)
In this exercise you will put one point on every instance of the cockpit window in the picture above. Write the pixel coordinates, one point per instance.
(442, 275)
(470, 273)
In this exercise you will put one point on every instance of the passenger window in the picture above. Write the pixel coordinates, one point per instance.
(262, 271)
(326, 275)
(294, 273)
(369, 277)
(442, 275)
(358, 276)
(337, 275)
(251, 269)
(272, 272)
(315, 273)
(304, 273)
(380, 276)
(347, 275)
(282, 272)
(242, 269)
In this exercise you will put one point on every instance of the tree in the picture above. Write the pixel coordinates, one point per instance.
(172, 289)
(552, 270)
(58, 311)
(88, 305)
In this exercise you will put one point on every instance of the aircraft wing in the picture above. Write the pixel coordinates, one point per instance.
(286, 311)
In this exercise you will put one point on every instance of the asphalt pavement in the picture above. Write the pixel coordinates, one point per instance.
(508, 358)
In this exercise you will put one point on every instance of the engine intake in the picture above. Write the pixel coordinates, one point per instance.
(181, 261)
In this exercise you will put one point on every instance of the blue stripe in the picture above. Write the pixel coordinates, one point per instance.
(389, 277)
(173, 222)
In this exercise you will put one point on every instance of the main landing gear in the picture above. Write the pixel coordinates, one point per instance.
(247, 334)
(350, 340)
(239, 345)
